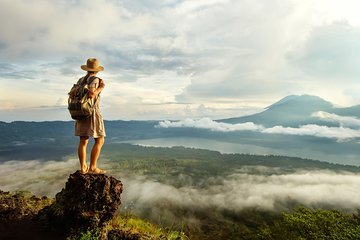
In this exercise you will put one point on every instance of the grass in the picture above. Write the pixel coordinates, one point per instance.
(131, 226)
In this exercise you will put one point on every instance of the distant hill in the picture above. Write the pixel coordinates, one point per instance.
(30, 140)
(294, 110)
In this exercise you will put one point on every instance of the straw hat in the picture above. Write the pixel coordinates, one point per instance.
(92, 65)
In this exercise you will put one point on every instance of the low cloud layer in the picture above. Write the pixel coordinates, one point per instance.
(39, 177)
(242, 190)
(237, 191)
(338, 133)
(344, 121)
(342, 133)
(207, 123)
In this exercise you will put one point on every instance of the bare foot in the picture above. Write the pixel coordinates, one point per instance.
(84, 169)
(97, 171)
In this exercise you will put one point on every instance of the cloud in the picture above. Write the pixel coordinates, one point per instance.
(266, 190)
(242, 190)
(213, 53)
(330, 56)
(344, 121)
(331, 52)
(54, 28)
(207, 123)
(39, 177)
(338, 133)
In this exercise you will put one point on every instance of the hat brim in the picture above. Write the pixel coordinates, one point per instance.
(86, 68)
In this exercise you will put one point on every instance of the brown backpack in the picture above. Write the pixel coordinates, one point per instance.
(79, 106)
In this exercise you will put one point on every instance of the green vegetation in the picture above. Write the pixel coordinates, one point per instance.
(131, 226)
(183, 167)
(305, 223)
(249, 224)
(196, 169)
(302, 223)
(87, 235)
(163, 164)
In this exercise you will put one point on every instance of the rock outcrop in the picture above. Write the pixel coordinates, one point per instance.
(20, 205)
(86, 202)
(17, 216)
(78, 212)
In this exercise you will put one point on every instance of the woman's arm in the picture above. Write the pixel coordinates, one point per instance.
(94, 92)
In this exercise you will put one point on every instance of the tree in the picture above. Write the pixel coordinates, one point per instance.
(305, 223)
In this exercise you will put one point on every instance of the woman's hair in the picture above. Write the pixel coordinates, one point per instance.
(91, 72)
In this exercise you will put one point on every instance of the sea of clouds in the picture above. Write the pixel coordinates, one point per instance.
(264, 190)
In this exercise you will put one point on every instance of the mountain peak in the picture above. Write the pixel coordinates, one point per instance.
(292, 110)
(300, 99)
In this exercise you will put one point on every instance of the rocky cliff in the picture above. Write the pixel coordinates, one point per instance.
(17, 213)
(83, 209)
(87, 202)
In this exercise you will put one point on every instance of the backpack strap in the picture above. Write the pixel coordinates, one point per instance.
(85, 80)
(89, 80)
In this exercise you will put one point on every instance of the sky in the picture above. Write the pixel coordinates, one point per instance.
(173, 59)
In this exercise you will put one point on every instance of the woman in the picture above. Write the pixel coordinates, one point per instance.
(92, 127)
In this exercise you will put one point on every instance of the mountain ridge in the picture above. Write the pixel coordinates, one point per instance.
(295, 110)
(290, 114)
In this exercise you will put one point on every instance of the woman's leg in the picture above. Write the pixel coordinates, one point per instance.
(82, 153)
(95, 152)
